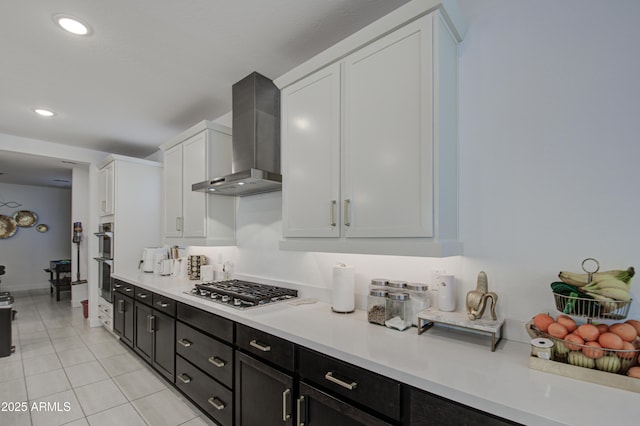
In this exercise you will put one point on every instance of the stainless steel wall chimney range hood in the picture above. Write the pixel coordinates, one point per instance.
(256, 141)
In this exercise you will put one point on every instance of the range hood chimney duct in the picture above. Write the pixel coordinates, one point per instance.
(256, 141)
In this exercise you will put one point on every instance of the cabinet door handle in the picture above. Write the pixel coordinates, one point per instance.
(286, 397)
(347, 212)
(217, 404)
(143, 295)
(184, 342)
(151, 319)
(260, 346)
(128, 289)
(300, 419)
(184, 378)
(121, 306)
(217, 361)
(334, 204)
(330, 377)
(162, 304)
(178, 223)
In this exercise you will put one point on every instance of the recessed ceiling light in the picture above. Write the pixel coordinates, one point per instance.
(72, 24)
(44, 112)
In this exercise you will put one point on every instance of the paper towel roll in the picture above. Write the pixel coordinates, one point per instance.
(344, 289)
(446, 293)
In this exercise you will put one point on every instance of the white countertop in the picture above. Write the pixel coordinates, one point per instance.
(445, 362)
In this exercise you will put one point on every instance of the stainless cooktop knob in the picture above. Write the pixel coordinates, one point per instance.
(225, 298)
(237, 302)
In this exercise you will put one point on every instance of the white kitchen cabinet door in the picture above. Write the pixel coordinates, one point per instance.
(194, 169)
(173, 192)
(106, 178)
(311, 162)
(388, 136)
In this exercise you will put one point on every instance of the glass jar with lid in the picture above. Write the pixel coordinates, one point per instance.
(394, 285)
(377, 306)
(398, 311)
(378, 284)
(420, 299)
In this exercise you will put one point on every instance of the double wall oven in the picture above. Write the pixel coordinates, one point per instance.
(105, 260)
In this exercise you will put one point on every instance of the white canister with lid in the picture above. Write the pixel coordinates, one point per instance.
(446, 293)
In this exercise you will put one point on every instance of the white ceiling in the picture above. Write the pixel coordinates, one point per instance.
(152, 68)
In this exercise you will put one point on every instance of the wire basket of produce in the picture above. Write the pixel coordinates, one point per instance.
(597, 295)
(611, 348)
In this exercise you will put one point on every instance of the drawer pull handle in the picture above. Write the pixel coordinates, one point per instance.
(217, 404)
(128, 289)
(260, 346)
(217, 361)
(286, 396)
(143, 295)
(185, 343)
(330, 377)
(162, 304)
(184, 378)
(116, 285)
(300, 419)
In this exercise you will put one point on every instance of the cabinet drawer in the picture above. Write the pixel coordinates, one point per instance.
(265, 346)
(357, 384)
(124, 288)
(212, 324)
(164, 304)
(209, 395)
(210, 355)
(143, 295)
(106, 308)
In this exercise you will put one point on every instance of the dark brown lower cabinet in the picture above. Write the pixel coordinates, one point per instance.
(123, 321)
(425, 409)
(317, 408)
(264, 395)
(155, 339)
(213, 398)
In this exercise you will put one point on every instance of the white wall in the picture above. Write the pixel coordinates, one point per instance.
(28, 252)
(548, 151)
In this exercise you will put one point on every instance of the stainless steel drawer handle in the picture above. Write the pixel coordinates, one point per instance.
(143, 296)
(128, 289)
(117, 285)
(151, 319)
(300, 419)
(260, 346)
(184, 378)
(286, 396)
(217, 361)
(333, 212)
(185, 343)
(162, 304)
(217, 404)
(121, 306)
(351, 386)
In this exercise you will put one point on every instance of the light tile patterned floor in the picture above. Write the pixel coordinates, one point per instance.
(65, 373)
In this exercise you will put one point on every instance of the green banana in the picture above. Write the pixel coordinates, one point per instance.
(607, 283)
(580, 280)
(614, 293)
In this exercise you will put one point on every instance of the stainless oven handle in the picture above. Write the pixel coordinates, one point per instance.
(104, 260)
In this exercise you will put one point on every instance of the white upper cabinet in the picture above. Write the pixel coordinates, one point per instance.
(311, 166)
(195, 218)
(369, 143)
(106, 179)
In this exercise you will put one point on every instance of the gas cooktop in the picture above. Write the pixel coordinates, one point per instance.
(242, 294)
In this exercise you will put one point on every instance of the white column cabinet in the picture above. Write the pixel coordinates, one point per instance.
(369, 148)
(196, 218)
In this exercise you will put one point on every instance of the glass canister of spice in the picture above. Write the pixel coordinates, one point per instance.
(398, 311)
(420, 299)
(376, 306)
